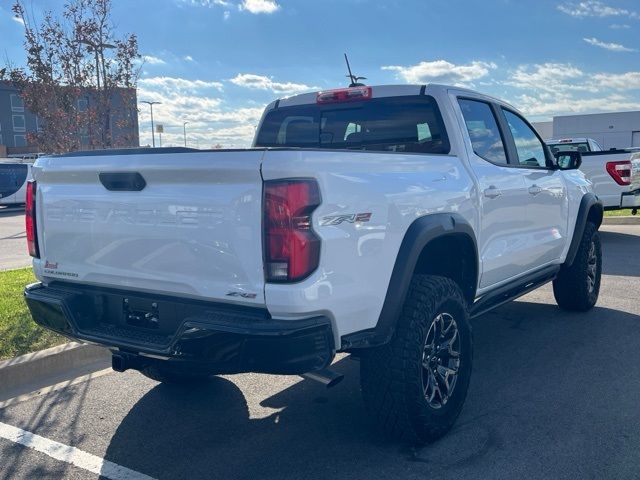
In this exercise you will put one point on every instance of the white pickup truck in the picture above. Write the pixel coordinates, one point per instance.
(608, 170)
(371, 220)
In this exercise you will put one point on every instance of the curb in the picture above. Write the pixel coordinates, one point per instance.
(635, 220)
(32, 371)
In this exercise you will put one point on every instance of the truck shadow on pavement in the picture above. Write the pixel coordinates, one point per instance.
(621, 253)
(539, 402)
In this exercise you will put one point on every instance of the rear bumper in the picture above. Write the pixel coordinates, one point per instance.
(215, 337)
(631, 199)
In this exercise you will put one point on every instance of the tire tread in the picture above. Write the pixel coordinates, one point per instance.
(387, 383)
(570, 288)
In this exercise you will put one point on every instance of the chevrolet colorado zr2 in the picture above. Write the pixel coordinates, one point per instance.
(375, 221)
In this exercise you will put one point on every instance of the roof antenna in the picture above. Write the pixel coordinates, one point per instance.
(352, 77)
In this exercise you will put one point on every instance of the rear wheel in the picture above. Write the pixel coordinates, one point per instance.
(577, 287)
(415, 386)
(169, 374)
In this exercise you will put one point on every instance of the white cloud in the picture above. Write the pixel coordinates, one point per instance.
(613, 47)
(442, 71)
(224, 135)
(259, 6)
(595, 8)
(151, 60)
(261, 82)
(251, 6)
(548, 77)
(17, 20)
(189, 58)
(201, 104)
(619, 26)
(178, 84)
(536, 106)
(618, 81)
(557, 88)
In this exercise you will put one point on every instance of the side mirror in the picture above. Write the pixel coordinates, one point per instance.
(568, 160)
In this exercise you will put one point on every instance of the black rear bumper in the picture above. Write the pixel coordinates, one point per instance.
(215, 337)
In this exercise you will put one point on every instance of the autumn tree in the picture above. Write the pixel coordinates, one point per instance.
(79, 78)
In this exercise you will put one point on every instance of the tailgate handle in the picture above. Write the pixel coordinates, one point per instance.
(122, 181)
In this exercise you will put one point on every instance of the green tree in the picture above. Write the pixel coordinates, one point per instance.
(72, 57)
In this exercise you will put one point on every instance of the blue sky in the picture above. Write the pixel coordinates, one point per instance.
(216, 63)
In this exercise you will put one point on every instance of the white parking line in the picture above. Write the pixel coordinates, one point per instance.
(71, 455)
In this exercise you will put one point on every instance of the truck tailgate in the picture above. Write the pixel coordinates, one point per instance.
(193, 230)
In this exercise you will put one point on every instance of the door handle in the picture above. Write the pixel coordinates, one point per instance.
(535, 189)
(492, 192)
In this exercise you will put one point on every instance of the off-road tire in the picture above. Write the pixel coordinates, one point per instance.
(392, 375)
(573, 288)
(172, 376)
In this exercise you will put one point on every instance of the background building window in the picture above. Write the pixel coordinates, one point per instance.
(17, 104)
(20, 140)
(82, 104)
(18, 123)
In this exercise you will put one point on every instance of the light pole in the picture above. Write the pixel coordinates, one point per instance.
(153, 135)
(184, 132)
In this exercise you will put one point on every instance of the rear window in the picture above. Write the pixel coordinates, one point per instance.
(410, 124)
(570, 147)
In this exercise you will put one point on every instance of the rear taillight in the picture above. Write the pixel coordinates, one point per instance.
(340, 95)
(30, 219)
(291, 247)
(620, 171)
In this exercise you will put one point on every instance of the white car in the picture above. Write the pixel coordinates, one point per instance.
(370, 220)
(608, 170)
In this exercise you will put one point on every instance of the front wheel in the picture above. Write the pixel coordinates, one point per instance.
(577, 287)
(415, 386)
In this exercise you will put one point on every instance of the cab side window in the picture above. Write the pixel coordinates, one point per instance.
(528, 146)
(483, 130)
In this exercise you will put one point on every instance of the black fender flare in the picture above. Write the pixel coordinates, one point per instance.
(589, 201)
(422, 231)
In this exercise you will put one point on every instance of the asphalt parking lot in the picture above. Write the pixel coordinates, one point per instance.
(13, 239)
(553, 395)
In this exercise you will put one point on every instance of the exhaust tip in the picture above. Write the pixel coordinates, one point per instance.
(326, 377)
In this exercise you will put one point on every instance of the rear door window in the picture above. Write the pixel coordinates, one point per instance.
(483, 130)
(410, 124)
